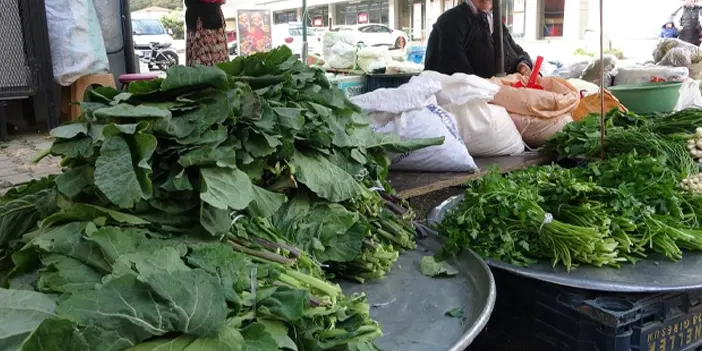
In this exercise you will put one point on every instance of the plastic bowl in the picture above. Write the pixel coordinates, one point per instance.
(649, 97)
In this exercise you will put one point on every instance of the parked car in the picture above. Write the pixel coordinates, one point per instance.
(290, 34)
(149, 30)
(376, 35)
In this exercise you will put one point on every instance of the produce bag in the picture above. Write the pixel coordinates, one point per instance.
(650, 74)
(685, 52)
(591, 73)
(690, 96)
(535, 131)
(75, 37)
(339, 50)
(591, 104)
(541, 107)
(411, 111)
(585, 88)
(372, 57)
(487, 130)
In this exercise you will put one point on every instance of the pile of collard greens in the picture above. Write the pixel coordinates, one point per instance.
(205, 211)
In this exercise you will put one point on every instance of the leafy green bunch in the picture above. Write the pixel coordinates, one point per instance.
(632, 199)
(200, 211)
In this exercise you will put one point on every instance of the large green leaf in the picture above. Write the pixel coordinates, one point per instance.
(81, 147)
(216, 221)
(68, 240)
(125, 110)
(226, 188)
(68, 131)
(231, 268)
(115, 175)
(325, 178)
(190, 77)
(73, 181)
(328, 232)
(56, 335)
(115, 242)
(21, 312)
(105, 340)
(229, 338)
(195, 297)
(21, 215)
(283, 302)
(65, 274)
(265, 203)
(132, 309)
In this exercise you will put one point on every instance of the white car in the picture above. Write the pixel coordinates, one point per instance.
(376, 35)
(147, 31)
(290, 34)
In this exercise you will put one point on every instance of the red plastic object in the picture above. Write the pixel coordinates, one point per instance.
(534, 76)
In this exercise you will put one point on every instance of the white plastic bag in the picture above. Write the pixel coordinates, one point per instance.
(690, 95)
(372, 55)
(77, 46)
(649, 74)
(343, 56)
(487, 130)
(411, 112)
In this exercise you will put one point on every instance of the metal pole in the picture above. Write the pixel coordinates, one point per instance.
(602, 84)
(304, 32)
(499, 37)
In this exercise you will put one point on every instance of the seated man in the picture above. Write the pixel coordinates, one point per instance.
(463, 41)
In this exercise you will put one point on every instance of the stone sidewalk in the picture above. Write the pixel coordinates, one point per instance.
(16, 156)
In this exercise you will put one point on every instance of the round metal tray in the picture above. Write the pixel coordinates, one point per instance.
(412, 307)
(651, 275)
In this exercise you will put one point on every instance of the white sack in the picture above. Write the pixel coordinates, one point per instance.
(75, 37)
(690, 95)
(649, 74)
(411, 112)
(487, 130)
(343, 56)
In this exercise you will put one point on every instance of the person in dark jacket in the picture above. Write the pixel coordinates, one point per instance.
(690, 29)
(463, 41)
(669, 31)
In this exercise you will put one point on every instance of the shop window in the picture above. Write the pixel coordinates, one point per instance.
(318, 16)
(364, 12)
(552, 18)
(513, 17)
(285, 17)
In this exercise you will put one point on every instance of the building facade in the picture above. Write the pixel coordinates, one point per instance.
(542, 26)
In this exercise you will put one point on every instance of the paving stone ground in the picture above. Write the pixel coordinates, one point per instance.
(16, 154)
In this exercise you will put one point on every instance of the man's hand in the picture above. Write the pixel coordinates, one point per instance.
(524, 69)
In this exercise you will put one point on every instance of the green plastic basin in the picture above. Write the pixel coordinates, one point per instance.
(648, 97)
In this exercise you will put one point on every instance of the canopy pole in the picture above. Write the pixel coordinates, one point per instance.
(602, 85)
(304, 33)
(499, 36)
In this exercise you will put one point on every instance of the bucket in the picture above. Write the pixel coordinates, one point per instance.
(648, 97)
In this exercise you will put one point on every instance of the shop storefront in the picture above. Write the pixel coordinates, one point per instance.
(363, 12)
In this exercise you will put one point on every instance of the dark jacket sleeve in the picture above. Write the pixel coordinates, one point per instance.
(451, 55)
(522, 56)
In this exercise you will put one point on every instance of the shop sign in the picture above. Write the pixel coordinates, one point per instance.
(318, 22)
(363, 17)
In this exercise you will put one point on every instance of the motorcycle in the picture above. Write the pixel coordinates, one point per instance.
(159, 57)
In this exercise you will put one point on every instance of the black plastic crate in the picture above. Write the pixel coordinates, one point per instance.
(377, 81)
(532, 315)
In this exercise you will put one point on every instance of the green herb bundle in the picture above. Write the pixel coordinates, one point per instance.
(204, 211)
(618, 210)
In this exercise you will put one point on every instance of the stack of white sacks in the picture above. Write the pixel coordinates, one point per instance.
(455, 107)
